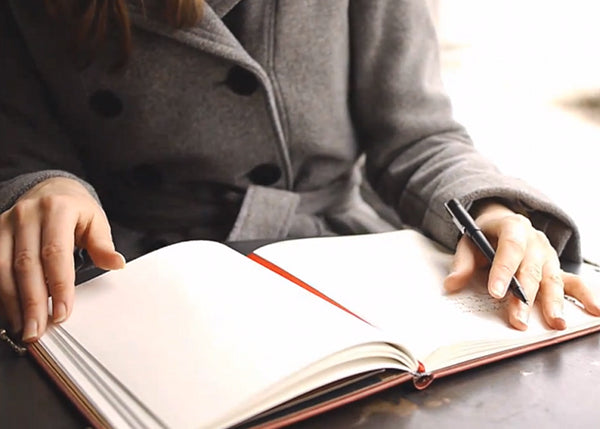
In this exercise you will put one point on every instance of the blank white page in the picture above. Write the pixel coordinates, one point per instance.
(393, 280)
(195, 330)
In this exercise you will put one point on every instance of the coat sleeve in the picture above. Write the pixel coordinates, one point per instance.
(418, 157)
(33, 147)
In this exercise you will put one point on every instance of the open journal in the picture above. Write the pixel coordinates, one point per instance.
(197, 335)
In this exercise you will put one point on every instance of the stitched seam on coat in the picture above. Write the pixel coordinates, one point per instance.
(270, 18)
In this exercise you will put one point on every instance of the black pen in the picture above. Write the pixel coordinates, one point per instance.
(468, 227)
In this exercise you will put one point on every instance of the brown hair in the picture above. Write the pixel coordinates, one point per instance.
(87, 22)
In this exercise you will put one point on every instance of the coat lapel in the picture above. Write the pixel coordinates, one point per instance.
(222, 7)
(210, 35)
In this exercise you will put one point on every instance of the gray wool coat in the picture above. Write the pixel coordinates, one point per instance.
(251, 125)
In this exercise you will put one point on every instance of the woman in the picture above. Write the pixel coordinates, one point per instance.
(239, 119)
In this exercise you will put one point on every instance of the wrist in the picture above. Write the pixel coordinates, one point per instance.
(490, 205)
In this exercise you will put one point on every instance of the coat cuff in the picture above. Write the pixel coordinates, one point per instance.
(544, 215)
(12, 189)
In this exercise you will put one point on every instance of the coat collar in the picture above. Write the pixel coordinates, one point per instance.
(220, 7)
(210, 34)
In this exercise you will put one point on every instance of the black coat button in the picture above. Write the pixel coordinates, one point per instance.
(241, 81)
(265, 174)
(106, 103)
(146, 176)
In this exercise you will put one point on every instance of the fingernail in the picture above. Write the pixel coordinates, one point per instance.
(498, 289)
(523, 314)
(123, 261)
(450, 275)
(557, 311)
(30, 331)
(59, 312)
(450, 285)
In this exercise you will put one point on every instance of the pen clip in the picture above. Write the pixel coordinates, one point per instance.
(459, 225)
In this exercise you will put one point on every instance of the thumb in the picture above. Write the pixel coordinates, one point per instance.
(463, 266)
(97, 240)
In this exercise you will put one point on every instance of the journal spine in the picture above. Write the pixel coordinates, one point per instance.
(18, 349)
(421, 378)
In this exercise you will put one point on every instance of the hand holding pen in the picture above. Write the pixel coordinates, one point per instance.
(523, 261)
(467, 226)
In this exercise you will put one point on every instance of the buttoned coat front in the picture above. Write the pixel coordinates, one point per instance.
(251, 124)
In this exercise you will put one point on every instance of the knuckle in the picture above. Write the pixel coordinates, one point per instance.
(49, 251)
(23, 209)
(515, 243)
(30, 304)
(519, 220)
(52, 201)
(554, 280)
(24, 260)
(542, 238)
(523, 220)
(20, 212)
(505, 269)
(531, 271)
(60, 287)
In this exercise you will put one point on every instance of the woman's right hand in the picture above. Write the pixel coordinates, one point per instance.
(38, 235)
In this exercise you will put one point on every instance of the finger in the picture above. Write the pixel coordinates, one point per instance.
(576, 287)
(518, 313)
(28, 271)
(94, 235)
(57, 259)
(463, 265)
(513, 234)
(9, 297)
(529, 274)
(552, 296)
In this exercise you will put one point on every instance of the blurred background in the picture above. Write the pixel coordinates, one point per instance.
(524, 77)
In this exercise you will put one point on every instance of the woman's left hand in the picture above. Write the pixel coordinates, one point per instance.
(523, 251)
